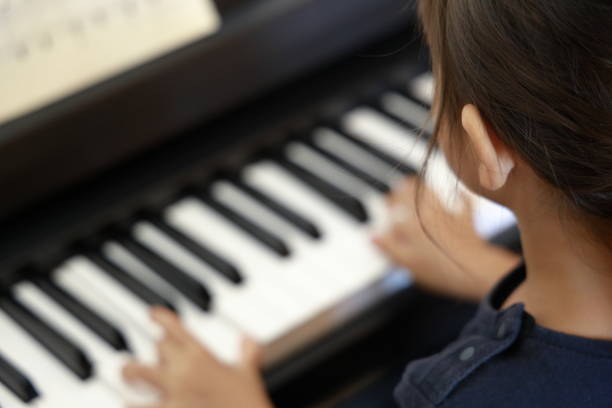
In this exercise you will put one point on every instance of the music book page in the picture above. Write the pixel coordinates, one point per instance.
(50, 49)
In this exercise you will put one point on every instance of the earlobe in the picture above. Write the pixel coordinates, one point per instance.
(486, 179)
(506, 165)
(495, 162)
(495, 178)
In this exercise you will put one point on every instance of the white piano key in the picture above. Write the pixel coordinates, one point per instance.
(343, 180)
(237, 303)
(314, 264)
(346, 244)
(122, 297)
(10, 400)
(131, 264)
(43, 399)
(292, 277)
(329, 140)
(141, 343)
(405, 145)
(423, 87)
(33, 359)
(107, 362)
(244, 204)
(219, 336)
(381, 132)
(407, 109)
(58, 387)
(303, 270)
(317, 164)
(260, 267)
(293, 193)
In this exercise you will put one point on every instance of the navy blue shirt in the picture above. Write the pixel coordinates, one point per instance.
(503, 358)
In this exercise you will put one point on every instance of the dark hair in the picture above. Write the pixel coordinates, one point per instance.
(540, 72)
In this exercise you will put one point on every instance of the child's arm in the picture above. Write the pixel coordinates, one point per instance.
(442, 250)
(188, 376)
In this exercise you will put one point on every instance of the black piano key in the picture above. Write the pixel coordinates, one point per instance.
(16, 382)
(417, 130)
(341, 199)
(192, 289)
(396, 164)
(60, 347)
(414, 123)
(137, 288)
(410, 95)
(97, 324)
(267, 238)
(373, 182)
(289, 215)
(219, 264)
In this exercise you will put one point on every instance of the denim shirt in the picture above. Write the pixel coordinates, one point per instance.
(504, 359)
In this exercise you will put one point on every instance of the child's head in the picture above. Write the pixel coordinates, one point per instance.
(528, 85)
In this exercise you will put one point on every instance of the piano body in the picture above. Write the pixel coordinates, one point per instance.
(236, 179)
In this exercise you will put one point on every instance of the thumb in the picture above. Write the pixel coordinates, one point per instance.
(251, 356)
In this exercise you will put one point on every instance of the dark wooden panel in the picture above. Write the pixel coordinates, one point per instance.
(264, 46)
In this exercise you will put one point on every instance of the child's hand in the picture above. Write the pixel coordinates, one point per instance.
(447, 255)
(188, 376)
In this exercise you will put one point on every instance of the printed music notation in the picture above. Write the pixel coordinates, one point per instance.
(52, 48)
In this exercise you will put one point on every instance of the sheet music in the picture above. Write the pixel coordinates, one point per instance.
(52, 48)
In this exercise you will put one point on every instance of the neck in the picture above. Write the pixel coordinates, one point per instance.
(569, 277)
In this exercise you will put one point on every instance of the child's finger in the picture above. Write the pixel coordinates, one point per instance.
(390, 246)
(148, 406)
(251, 355)
(403, 192)
(402, 231)
(170, 323)
(135, 373)
(168, 350)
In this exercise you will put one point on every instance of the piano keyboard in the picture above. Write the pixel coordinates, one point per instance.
(280, 251)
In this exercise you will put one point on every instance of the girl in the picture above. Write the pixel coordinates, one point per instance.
(524, 115)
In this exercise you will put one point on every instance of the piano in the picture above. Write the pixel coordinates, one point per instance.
(236, 179)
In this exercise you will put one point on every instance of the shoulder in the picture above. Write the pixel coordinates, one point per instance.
(432, 381)
(503, 359)
(526, 372)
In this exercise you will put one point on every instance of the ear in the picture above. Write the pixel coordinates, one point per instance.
(495, 160)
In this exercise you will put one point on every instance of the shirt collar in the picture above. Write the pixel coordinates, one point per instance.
(491, 320)
(489, 333)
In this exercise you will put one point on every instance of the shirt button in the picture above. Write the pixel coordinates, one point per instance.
(501, 331)
(467, 353)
